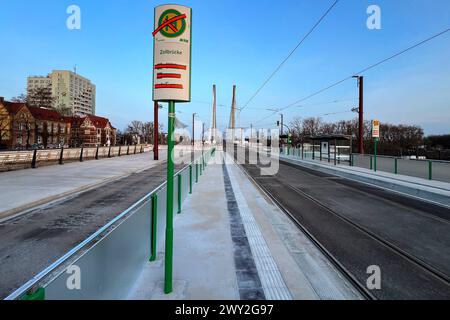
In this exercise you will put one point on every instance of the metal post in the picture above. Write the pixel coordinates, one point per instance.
(38, 295)
(34, 160)
(335, 152)
(179, 192)
(61, 156)
(169, 219)
(320, 150)
(128, 150)
(109, 152)
(81, 154)
(156, 132)
(154, 226)
(303, 150)
(196, 172)
(96, 154)
(190, 179)
(135, 148)
(396, 166)
(329, 152)
(193, 130)
(120, 151)
(314, 150)
(376, 154)
(430, 170)
(371, 163)
(361, 115)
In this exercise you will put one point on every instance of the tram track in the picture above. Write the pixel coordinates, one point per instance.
(350, 245)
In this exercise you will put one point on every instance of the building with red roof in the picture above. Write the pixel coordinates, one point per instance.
(25, 127)
(92, 131)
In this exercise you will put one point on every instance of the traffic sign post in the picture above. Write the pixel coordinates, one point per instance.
(376, 138)
(171, 83)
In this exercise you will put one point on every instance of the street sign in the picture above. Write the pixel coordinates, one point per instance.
(376, 129)
(172, 53)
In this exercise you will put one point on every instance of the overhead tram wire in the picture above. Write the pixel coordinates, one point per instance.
(360, 72)
(290, 54)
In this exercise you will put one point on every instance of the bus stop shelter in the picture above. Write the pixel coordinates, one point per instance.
(332, 147)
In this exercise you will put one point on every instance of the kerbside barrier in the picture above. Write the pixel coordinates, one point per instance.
(108, 263)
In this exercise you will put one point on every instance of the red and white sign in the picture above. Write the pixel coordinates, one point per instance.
(376, 129)
(172, 53)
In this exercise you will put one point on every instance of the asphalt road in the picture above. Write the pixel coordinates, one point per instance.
(32, 242)
(361, 226)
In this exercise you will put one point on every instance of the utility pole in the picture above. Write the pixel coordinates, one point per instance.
(282, 129)
(361, 114)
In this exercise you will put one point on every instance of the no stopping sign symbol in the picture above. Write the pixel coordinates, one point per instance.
(171, 24)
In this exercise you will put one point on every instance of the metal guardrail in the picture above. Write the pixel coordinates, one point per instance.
(10, 160)
(110, 261)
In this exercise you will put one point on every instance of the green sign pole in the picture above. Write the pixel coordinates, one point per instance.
(169, 219)
(375, 154)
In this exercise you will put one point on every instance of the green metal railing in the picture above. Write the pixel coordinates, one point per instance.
(426, 169)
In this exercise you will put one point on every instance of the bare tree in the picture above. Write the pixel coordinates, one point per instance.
(40, 98)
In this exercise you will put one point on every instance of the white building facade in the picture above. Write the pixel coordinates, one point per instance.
(70, 91)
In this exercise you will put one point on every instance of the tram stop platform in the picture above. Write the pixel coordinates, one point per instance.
(232, 243)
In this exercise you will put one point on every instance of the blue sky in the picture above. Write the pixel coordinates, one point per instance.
(242, 42)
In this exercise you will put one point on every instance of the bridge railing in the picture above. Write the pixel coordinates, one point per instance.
(427, 169)
(108, 263)
(13, 160)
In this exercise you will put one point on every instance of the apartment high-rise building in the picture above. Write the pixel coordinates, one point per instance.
(69, 90)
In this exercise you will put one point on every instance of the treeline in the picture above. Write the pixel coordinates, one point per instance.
(139, 132)
(396, 140)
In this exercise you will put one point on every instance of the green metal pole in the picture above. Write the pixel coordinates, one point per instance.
(196, 172)
(396, 166)
(371, 163)
(154, 226)
(430, 170)
(376, 151)
(190, 179)
(179, 192)
(39, 295)
(168, 278)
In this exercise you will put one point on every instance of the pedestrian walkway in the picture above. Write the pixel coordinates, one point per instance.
(25, 189)
(232, 243)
